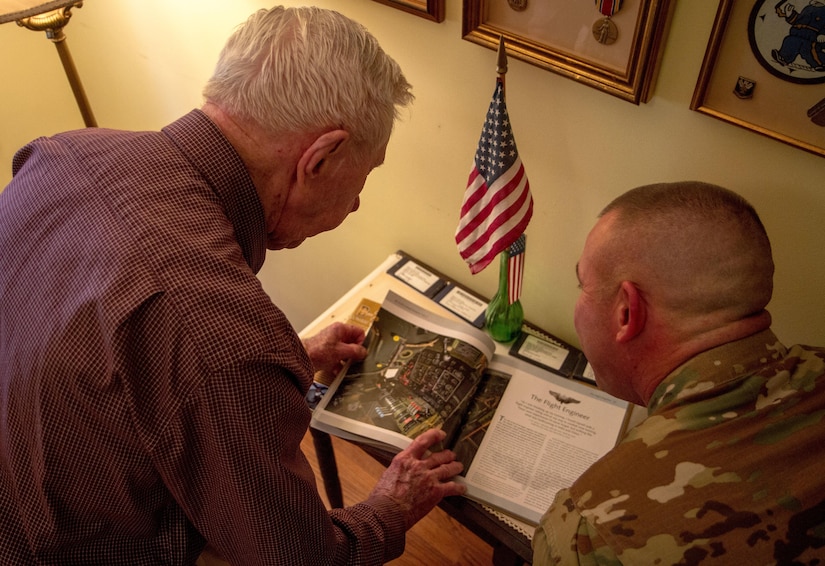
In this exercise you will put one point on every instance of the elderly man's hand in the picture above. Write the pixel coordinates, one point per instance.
(336, 343)
(417, 479)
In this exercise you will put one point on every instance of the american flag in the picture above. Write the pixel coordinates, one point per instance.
(515, 268)
(497, 202)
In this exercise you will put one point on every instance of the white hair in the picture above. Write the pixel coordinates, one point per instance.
(304, 70)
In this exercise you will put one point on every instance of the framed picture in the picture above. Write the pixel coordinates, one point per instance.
(429, 9)
(764, 70)
(611, 45)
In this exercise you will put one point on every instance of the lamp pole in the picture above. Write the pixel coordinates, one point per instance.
(53, 23)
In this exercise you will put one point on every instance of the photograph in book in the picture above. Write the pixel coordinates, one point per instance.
(417, 375)
(521, 432)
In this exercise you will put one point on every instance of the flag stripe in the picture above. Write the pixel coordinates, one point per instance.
(503, 198)
(482, 228)
(515, 268)
(482, 257)
(484, 201)
(492, 237)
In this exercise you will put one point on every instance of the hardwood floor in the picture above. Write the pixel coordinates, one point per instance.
(436, 539)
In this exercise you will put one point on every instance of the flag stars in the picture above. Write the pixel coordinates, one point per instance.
(496, 147)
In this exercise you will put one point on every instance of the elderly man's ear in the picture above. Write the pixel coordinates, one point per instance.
(630, 312)
(316, 155)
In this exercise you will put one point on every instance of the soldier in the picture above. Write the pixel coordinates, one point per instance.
(674, 283)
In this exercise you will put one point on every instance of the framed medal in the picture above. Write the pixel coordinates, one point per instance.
(611, 45)
(764, 70)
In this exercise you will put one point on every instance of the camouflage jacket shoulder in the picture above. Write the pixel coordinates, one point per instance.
(721, 471)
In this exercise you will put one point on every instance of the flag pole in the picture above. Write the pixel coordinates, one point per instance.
(503, 318)
(501, 66)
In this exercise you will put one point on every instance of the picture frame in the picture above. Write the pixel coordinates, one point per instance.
(760, 75)
(563, 37)
(432, 10)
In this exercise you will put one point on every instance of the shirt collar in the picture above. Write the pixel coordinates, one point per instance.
(208, 150)
(715, 367)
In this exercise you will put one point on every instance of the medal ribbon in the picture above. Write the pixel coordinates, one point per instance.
(609, 7)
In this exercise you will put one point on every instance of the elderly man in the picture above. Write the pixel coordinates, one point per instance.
(151, 395)
(725, 469)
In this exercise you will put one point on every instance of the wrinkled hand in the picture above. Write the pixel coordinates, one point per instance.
(417, 479)
(336, 343)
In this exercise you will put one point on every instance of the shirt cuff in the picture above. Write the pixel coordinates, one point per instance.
(392, 520)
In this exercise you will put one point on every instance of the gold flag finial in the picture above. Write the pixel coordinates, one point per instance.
(502, 57)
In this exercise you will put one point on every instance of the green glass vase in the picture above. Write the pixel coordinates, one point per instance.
(503, 319)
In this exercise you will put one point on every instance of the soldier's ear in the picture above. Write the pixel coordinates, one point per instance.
(630, 312)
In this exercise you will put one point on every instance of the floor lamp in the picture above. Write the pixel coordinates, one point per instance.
(51, 17)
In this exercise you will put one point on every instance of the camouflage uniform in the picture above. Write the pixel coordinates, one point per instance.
(726, 469)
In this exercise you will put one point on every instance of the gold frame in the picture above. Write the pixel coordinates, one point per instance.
(777, 108)
(432, 10)
(626, 69)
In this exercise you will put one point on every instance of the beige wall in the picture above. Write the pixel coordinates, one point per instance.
(143, 65)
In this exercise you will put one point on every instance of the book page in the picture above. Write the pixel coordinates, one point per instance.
(420, 372)
(545, 432)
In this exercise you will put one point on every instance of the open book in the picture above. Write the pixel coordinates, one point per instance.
(521, 432)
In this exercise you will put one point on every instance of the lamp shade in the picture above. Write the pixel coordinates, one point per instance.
(13, 10)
